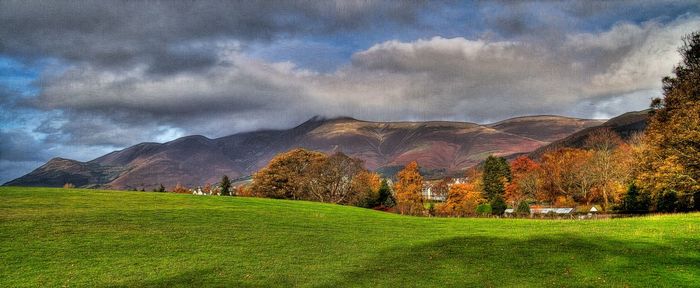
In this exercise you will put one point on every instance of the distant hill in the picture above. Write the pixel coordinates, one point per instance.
(624, 125)
(438, 146)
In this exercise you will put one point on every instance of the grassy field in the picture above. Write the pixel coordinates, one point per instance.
(60, 237)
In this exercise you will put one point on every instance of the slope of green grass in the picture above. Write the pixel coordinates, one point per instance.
(59, 237)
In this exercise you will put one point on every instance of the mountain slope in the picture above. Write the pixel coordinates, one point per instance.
(625, 125)
(445, 147)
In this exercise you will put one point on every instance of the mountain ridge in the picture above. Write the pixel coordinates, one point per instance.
(443, 146)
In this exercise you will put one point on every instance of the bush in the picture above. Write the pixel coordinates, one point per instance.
(484, 209)
(523, 208)
(68, 186)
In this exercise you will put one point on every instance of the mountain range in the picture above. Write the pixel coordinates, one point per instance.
(440, 147)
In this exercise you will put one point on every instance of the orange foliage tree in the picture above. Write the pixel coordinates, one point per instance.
(671, 158)
(565, 175)
(609, 166)
(409, 187)
(365, 188)
(462, 200)
(284, 176)
(525, 181)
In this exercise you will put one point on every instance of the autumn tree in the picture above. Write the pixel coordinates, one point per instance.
(331, 179)
(671, 160)
(284, 176)
(462, 200)
(180, 189)
(609, 167)
(366, 187)
(565, 176)
(525, 180)
(496, 176)
(409, 187)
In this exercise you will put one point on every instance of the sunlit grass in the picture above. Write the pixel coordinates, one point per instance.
(57, 237)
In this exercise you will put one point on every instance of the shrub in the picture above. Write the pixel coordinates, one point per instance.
(483, 209)
(68, 186)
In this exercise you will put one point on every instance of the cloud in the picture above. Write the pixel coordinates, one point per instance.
(20, 146)
(154, 33)
(477, 80)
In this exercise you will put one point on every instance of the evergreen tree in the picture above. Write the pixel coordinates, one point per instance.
(496, 176)
(385, 197)
(667, 201)
(630, 203)
(498, 205)
(225, 186)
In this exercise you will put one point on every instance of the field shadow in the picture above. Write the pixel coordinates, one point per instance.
(192, 278)
(560, 260)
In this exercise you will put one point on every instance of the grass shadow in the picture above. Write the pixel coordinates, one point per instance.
(553, 261)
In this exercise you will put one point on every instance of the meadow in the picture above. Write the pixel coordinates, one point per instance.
(74, 237)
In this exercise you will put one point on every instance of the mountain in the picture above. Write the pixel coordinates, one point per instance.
(439, 147)
(625, 125)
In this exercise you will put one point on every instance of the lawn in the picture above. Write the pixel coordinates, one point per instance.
(74, 237)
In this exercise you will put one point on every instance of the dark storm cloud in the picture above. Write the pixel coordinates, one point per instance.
(113, 34)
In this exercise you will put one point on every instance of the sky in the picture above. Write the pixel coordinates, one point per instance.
(82, 78)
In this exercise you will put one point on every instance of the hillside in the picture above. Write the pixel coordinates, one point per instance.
(87, 238)
(445, 147)
(625, 125)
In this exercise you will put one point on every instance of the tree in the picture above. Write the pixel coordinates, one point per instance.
(386, 199)
(409, 187)
(608, 167)
(462, 200)
(525, 180)
(331, 180)
(284, 176)
(225, 186)
(365, 187)
(498, 205)
(565, 175)
(671, 158)
(496, 176)
(667, 201)
(633, 201)
(180, 189)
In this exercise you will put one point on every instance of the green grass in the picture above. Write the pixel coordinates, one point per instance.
(59, 237)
